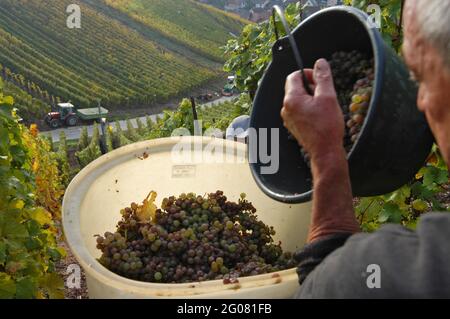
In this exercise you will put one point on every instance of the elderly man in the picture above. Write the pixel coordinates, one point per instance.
(340, 262)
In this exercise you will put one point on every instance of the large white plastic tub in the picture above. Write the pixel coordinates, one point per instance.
(93, 200)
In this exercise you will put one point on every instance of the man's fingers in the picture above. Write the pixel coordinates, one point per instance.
(283, 115)
(295, 92)
(309, 73)
(323, 79)
(294, 82)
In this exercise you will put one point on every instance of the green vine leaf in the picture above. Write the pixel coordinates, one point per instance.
(434, 175)
(390, 213)
(7, 287)
(11, 228)
(26, 288)
(53, 285)
(418, 190)
(368, 208)
(420, 205)
(2, 253)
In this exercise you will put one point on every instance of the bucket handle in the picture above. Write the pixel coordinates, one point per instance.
(278, 11)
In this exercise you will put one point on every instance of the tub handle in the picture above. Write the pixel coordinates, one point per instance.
(278, 11)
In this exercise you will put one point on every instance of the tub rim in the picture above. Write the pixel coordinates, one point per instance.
(72, 231)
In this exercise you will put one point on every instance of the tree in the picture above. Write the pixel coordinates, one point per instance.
(131, 132)
(92, 151)
(141, 129)
(63, 160)
(83, 141)
(150, 123)
(109, 138)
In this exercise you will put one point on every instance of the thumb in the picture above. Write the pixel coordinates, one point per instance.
(324, 79)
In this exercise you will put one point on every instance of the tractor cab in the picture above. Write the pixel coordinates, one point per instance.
(230, 89)
(65, 114)
(65, 109)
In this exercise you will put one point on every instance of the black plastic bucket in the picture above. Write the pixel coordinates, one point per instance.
(395, 139)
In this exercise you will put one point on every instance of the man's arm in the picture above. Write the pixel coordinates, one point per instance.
(333, 200)
(318, 124)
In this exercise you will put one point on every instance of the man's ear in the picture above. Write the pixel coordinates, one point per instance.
(421, 97)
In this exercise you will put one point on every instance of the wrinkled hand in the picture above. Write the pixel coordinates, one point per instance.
(315, 121)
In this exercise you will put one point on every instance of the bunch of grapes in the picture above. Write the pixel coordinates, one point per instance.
(193, 238)
(353, 75)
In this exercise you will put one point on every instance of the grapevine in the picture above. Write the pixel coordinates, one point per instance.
(28, 250)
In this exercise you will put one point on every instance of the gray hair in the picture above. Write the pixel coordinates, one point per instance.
(433, 17)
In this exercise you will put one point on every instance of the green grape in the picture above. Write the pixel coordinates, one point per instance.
(158, 276)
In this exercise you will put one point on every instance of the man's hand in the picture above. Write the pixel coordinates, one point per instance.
(317, 123)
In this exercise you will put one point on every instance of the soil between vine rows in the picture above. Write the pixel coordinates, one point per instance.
(62, 268)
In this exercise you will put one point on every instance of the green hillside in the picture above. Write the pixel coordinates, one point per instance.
(203, 28)
(114, 56)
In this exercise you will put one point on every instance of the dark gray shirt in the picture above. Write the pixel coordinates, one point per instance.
(393, 262)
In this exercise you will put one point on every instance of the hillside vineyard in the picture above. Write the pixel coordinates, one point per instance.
(115, 56)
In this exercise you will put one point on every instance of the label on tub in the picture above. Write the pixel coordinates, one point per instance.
(183, 171)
